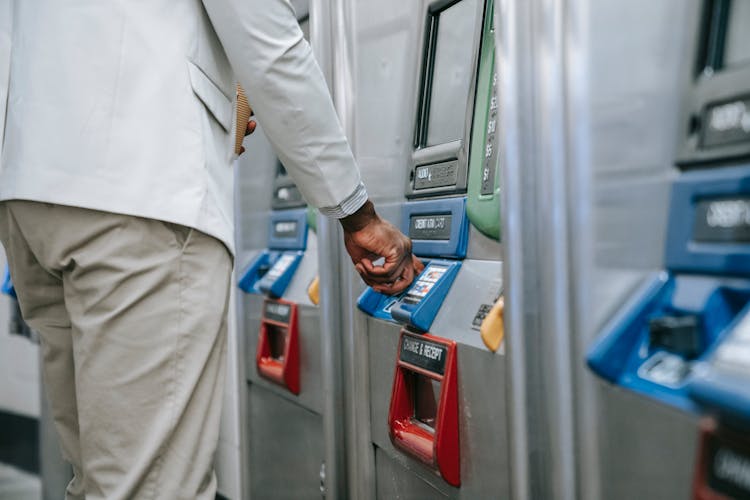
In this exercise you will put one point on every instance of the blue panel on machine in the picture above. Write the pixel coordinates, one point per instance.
(7, 286)
(661, 342)
(376, 304)
(420, 303)
(709, 226)
(287, 230)
(721, 382)
(438, 228)
(275, 282)
(271, 271)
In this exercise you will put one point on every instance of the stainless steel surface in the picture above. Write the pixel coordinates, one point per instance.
(395, 482)
(331, 30)
(283, 439)
(254, 172)
(647, 449)
(483, 429)
(588, 139)
(388, 51)
(483, 248)
(286, 448)
(478, 282)
(312, 389)
(459, 149)
(513, 45)
(623, 101)
(332, 343)
(375, 57)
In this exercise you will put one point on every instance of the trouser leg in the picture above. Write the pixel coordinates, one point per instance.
(40, 294)
(147, 303)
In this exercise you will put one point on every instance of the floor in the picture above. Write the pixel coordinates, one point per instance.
(16, 484)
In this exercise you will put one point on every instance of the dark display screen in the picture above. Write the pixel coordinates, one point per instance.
(285, 229)
(277, 311)
(430, 227)
(436, 175)
(724, 220)
(728, 468)
(727, 122)
(423, 353)
(451, 76)
(737, 35)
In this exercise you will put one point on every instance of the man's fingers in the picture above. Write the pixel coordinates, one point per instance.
(394, 273)
(401, 283)
(250, 127)
(360, 269)
(388, 270)
(408, 274)
(394, 288)
(417, 263)
(384, 280)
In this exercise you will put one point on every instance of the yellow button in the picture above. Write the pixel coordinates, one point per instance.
(492, 328)
(313, 291)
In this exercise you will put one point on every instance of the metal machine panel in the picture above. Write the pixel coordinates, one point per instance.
(483, 426)
(477, 285)
(452, 33)
(648, 450)
(394, 482)
(627, 446)
(716, 109)
(286, 448)
(311, 390)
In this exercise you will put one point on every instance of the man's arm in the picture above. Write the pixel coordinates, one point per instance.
(288, 93)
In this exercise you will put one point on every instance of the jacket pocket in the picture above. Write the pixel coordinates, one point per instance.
(218, 104)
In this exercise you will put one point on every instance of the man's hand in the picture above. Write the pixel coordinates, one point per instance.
(369, 238)
(249, 130)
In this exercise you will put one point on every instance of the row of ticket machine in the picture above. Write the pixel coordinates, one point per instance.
(683, 340)
(432, 347)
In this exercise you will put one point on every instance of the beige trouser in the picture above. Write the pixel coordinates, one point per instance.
(132, 317)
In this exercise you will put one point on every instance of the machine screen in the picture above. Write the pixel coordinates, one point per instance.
(425, 283)
(737, 36)
(451, 76)
(285, 229)
(277, 311)
(430, 227)
(280, 267)
(727, 123)
(724, 220)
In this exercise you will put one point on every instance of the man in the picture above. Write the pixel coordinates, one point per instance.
(116, 214)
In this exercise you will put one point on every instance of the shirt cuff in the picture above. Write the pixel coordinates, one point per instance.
(351, 204)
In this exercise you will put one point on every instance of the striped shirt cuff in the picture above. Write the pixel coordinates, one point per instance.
(351, 204)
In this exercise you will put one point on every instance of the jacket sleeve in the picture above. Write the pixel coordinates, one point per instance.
(288, 93)
(6, 16)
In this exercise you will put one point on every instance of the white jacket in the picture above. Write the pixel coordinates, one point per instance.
(127, 106)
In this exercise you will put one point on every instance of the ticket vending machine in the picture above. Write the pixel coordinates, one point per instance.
(281, 327)
(283, 445)
(436, 430)
(681, 341)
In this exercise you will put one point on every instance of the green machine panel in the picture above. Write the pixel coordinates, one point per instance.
(483, 204)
